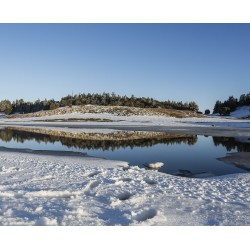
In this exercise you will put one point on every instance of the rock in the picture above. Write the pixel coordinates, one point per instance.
(155, 165)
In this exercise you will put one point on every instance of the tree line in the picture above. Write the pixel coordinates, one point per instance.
(231, 104)
(105, 99)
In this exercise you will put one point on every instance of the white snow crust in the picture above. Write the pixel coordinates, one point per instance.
(58, 191)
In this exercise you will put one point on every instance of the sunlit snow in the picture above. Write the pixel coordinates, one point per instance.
(58, 190)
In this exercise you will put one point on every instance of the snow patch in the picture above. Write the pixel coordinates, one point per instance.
(241, 112)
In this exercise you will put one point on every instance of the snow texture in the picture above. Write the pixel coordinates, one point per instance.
(58, 191)
(53, 190)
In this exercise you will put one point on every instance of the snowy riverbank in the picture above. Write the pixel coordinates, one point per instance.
(106, 123)
(73, 190)
(59, 190)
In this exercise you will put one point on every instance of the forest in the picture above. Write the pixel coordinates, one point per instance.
(231, 104)
(105, 99)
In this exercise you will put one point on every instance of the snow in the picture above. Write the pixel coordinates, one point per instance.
(155, 165)
(141, 121)
(52, 190)
(240, 112)
(56, 190)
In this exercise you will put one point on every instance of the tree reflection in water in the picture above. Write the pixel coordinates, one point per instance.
(231, 143)
(7, 135)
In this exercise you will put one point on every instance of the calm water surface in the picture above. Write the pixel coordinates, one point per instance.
(182, 156)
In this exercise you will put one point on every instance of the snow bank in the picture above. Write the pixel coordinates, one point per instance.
(241, 112)
(56, 190)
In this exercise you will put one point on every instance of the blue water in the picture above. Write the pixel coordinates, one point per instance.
(197, 158)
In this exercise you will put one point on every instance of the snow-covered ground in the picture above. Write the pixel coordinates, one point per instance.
(132, 120)
(92, 115)
(73, 190)
(241, 112)
(59, 190)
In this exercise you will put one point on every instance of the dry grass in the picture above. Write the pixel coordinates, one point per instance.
(116, 110)
(176, 113)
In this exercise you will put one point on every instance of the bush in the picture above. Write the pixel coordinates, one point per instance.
(6, 107)
(207, 112)
(54, 105)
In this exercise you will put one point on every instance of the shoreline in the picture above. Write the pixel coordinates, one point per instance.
(73, 189)
(46, 152)
(38, 190)
(170, 129)
(99, 135)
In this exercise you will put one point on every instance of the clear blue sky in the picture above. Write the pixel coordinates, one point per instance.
(181, 62)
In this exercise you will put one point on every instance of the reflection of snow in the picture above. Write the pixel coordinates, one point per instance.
(239, 159)
(73, 190)
(242, 139)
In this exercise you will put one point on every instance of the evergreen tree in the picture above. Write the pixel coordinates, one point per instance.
(216, 107)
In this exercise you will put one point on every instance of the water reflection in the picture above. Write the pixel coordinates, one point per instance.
(231, 143)
(8, 135)
(188, 156)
